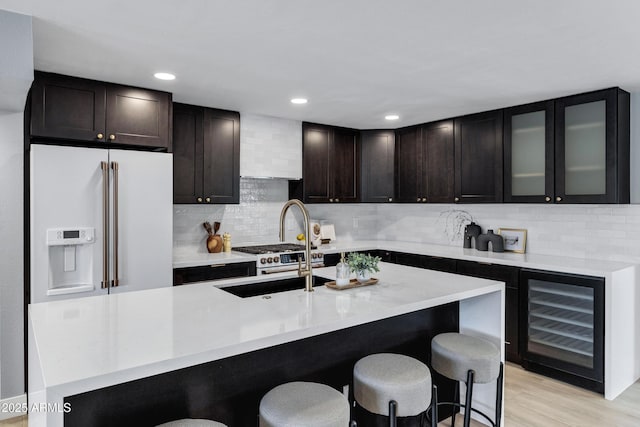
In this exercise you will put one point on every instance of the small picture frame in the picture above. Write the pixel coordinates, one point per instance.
(515, 239)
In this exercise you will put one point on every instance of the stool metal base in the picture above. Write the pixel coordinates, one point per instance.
(427, 418)
(468, 398)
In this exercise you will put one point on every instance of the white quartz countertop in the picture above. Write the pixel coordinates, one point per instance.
(593, 267)
(182, 260)
(88, 343)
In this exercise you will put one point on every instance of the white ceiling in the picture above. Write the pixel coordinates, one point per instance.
(356, 60)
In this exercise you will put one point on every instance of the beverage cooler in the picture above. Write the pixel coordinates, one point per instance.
(562, 327)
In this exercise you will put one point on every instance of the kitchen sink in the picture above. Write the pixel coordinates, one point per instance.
(272, 287)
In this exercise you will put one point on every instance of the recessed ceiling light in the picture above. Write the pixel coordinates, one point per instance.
(299, 100)
(164, 76)
(392, 117)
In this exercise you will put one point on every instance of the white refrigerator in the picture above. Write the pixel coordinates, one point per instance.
(101, 221)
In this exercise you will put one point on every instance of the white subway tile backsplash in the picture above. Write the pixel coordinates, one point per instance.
(255, 220)
(591, 231)
(609, 232)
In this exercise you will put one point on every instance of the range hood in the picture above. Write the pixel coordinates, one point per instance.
(270, 147)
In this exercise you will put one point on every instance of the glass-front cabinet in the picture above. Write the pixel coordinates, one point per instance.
(592, 147)
(529, 153)
(568, 150)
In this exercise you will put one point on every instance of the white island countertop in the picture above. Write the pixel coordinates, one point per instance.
(88, 343)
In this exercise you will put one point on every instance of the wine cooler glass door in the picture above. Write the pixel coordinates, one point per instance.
(564, 322)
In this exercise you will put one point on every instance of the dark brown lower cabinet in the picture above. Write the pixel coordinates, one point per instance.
(428, 262)
(183, 276)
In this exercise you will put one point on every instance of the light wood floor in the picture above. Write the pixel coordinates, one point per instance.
(535, 401)
(532, 400)
(15, 422)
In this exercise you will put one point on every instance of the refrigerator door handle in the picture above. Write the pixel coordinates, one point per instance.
(116, 279)
(105, 224)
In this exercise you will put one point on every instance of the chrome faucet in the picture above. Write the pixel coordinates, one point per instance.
(306, 273)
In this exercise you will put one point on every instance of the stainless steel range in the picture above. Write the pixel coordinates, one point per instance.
(280, 257)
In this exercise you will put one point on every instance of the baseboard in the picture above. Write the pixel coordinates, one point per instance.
(13, 407)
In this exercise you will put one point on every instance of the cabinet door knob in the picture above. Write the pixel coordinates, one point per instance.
(99, 136)
(112, 137)
(391, 199)
(558, 199)
(456, 199)
(208, 199)
(424, 199)
(547, 199)
(418, 199)
(199, 199)
(331, 200)
(337, 200)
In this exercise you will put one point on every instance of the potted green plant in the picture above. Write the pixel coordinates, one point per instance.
(363, 265)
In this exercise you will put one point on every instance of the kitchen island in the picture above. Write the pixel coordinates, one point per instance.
(621, 346)
(155, 354)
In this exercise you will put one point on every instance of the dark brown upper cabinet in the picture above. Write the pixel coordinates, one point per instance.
(206, 155)
(408, 169)
(478, 158)
(377, 166)
(425, 163)
(75, 109)
(331, 164)
(438, 161)
(529, 153)
(592, 147)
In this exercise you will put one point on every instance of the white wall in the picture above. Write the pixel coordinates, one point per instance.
(11, 256)
(16, 60)
(16, 75)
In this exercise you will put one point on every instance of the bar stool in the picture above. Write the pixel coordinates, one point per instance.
(472, 360)
(192, 422)
(307, 404)
(394, 385)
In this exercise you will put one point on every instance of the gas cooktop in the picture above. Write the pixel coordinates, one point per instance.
(270, 249)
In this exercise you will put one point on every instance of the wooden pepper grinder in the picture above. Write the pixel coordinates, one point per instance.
(214, 241)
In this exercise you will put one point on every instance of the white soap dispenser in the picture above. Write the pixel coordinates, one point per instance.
(342, 272)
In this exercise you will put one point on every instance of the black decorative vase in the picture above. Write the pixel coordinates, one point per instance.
(496, 240)
(471, 230)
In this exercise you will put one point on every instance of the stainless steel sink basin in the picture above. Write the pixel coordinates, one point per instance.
(272, 287)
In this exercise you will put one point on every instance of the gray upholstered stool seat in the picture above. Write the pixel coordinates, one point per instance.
(453, 355)
(381, 378)
(192, 422)
(298, 404)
